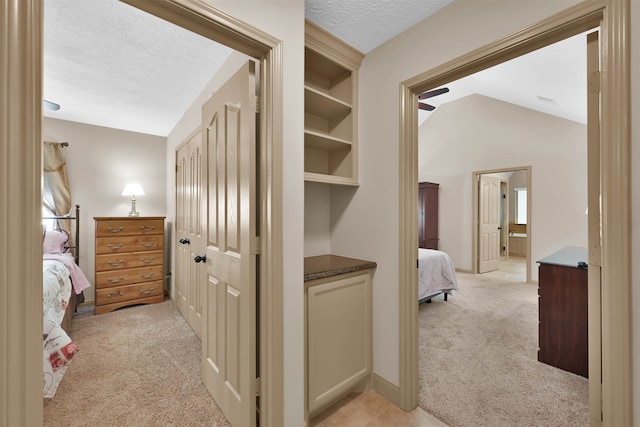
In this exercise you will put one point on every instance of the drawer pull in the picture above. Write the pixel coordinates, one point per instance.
(116, 293)
(148, 260)
(118, 280)
(115, 264)
(147, 276)
(148, 245)
(146, 229)
(111, 230)
(142, 291)
(115, 248)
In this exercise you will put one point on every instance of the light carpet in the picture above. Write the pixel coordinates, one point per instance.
(137, 366)
(478, 360)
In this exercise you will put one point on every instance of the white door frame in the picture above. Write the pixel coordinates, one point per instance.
(220, 27)
(21, 121)
(474, 218)
(613, 18)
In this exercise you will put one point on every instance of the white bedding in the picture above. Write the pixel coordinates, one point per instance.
(58, 349)
(436, 273)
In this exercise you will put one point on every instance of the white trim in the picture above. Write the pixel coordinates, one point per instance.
(613, 18)
(389, 391)
(474, 216)
(21, 207)
(21, 379)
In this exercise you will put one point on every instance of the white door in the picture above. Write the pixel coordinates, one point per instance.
(489, 224)
(190, 276)
(183, 259)
(229, 324)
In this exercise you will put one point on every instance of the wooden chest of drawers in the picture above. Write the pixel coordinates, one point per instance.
(129, 262)
(563, 311)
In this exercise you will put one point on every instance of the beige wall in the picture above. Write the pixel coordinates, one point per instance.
(368, 223)
(100, 162)
(498, 135)
(317, 219)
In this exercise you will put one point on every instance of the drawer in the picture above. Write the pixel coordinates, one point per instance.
(112, 262)
(109, 279)
(120, 244)
(128, 293)
(129, 227)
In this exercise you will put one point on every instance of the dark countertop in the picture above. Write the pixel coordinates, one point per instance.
(321, 266)
(568, 256)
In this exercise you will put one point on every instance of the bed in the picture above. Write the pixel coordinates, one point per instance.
(63, 284)
(436, 275)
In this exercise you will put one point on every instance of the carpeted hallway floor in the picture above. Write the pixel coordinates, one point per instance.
(137, 366)
(478, 359)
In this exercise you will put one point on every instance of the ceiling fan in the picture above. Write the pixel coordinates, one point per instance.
(430, 94)
(50, 105)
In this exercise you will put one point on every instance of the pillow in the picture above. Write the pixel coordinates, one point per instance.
(54, 242)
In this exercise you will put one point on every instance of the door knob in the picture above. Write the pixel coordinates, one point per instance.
(184, 241)
(200, 258)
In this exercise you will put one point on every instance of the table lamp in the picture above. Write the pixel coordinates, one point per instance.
(133, 190)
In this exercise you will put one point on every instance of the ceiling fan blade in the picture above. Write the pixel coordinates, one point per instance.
(431, 93)
(427, 107)
(50, 105)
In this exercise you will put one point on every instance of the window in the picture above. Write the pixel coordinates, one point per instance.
(48, 224)
(521, 205)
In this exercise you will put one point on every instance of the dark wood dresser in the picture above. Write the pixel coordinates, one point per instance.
(428, 215)
(563, 311)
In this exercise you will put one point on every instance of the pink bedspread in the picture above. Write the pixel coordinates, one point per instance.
(78, 278)
(57, 347)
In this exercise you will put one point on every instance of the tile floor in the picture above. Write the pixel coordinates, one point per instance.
(371, 410)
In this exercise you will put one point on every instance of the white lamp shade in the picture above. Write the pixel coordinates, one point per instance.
(131, 190)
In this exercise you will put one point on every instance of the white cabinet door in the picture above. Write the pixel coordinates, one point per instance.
(338, 337)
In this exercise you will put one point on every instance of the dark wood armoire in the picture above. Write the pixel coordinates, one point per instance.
(428, 215)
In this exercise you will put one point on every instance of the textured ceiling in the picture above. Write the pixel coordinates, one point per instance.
(366, 24)
(109, 64)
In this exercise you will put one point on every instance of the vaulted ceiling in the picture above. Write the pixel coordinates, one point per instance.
(109, 64)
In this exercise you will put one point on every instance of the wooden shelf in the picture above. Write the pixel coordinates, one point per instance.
(324, 142)
(323, 105)
(330, 103)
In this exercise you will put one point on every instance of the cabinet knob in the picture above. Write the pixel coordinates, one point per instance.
(200, 258)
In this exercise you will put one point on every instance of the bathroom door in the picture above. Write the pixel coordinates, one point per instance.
(489, 226)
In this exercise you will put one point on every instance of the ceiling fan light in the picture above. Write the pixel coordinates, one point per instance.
(50, 105)
(546, 100)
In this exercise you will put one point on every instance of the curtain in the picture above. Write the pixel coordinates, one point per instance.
(56, 192)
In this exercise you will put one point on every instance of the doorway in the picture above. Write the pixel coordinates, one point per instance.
(25, 404)
(616, 328)
(514, 238)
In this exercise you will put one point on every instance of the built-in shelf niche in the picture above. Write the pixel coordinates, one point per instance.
(330, 102)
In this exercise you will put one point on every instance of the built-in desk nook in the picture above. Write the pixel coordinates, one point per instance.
(563, 310)
(338, 328)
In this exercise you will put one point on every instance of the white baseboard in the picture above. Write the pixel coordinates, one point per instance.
(389, 391)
